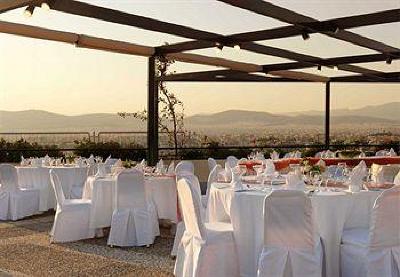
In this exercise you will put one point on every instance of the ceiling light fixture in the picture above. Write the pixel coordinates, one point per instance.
(389, 60)
(28, 12)
(319, 67)
(219, 47)
(335, 67)
(45, 6)
(305, 35)
(236, 47)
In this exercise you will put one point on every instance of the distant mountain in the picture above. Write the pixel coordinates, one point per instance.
(42, 121)
(389, 111)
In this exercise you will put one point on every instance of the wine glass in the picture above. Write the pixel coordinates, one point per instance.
(316, 179)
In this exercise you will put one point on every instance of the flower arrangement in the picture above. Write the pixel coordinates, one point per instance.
(307, 167)
(128, 164)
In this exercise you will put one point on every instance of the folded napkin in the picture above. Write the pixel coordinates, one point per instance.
(356, 177)
(274, 155)
(321, 163)
(297, 154)
(91, 160)
(236, 179)
(101, 170)
(118, 163)
(294, 182)
(227, 173)
(362, 155)
(329, 154)
(397, 179)
(143, 163)
(269, 167)
(160, 166)
(260, 156)
(171, 168)
(392, 153)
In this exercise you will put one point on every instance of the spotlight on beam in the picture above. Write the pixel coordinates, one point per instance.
(389, 60)
(236, 47)
(319, 67)
(305, 35)
(337, 29)
(219, 47)
(45, 6)
(28, 12)
(335, 67)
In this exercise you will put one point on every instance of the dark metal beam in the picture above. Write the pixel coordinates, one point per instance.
(331, 25)
(331, 62)
(391, 77)
(291, 17)
(327, 114)
(119, 17)
(8, 5)
(152, 114)
(223, 76)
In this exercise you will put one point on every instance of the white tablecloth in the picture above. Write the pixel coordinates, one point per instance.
(39, 178)
(245, 209)
(160, 189)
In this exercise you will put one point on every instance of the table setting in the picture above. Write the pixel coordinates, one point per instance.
(339, 201)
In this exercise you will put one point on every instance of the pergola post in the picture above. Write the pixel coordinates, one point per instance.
(327, 113)
(152, 114)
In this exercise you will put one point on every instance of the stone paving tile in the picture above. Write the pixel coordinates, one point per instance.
(26, 251)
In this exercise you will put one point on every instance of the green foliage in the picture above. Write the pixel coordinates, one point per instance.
(133, 152)
(11, 152)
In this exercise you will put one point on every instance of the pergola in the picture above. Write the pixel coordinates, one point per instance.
(299, 25)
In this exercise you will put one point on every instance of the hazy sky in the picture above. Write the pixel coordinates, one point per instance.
(38, 74)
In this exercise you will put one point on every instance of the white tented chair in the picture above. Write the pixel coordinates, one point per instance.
(232, 161)
(211, 164)
(134, 220)
(384, 173)
(397, 179)
(381, 153)
(16, 203)
(184, 167)
(207, 249)
(212, 178)
(375, 251)
(180, 227)
(292, 247)
(72, 219)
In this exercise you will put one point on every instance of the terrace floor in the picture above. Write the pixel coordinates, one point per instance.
(26, 251)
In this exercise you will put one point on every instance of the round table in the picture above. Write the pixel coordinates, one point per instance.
(101, 190)
(244, 209)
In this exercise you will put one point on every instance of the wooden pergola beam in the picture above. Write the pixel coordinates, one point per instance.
(331, 62)
(119, 17)
(135, 49)
(8, 5)
(222, 76)
(330, 25)
(285, 15)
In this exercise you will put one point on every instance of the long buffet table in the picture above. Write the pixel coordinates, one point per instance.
(284, 163)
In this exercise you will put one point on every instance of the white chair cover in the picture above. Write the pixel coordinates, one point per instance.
(171, 168)
(211, 164)
(385, 174)
(16, 203)
(291, 243)
(72, 219)
(397, 179)
(377, 252)
(212, 178)
(232, 161)
(381, 153)
(184, 166)
(180, 228)
(205, 249)
(134, 220)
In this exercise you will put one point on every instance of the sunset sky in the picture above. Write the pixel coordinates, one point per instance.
(57, 77)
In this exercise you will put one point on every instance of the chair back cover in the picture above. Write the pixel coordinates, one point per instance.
(191, 208)
(8, 177)
(397, 179)
(130, 192)
(55, 181)
(212, 178)
(385, 220)
(232, 161)
(288, 220)
(171, 168)
(184, 166)
(211, 164)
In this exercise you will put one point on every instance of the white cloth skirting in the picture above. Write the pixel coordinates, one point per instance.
(134, 227)
(333, 214)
